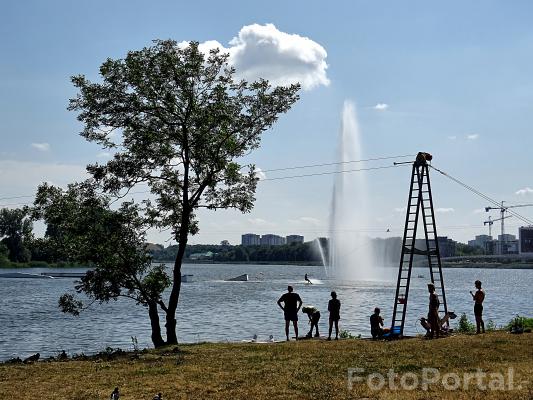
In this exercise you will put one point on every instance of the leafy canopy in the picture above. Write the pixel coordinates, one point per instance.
(178, 121)
(112, 241)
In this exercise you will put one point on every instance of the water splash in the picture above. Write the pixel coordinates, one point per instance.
(319, 247)
(351, 255)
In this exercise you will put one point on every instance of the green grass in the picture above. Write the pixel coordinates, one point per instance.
(309, 369)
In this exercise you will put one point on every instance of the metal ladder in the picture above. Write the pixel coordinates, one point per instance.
(420, 202)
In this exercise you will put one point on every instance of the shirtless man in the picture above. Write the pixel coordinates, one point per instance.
(291, 305)
(478, 298)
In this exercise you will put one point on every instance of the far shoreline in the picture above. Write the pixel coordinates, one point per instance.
(445, 264)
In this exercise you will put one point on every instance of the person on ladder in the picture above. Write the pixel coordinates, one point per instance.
(433, 313)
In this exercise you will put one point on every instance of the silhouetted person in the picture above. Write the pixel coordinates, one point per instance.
(433, 312)
(334, 308)
(115, 395)
(314, 316)
(291, 305)
(307, 279)
(376, 324)
(478, 298)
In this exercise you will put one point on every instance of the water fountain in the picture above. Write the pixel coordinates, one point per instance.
(351, 255)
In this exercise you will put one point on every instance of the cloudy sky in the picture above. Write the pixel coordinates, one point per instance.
(452, 79)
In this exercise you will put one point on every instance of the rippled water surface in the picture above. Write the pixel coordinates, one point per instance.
(212, 309)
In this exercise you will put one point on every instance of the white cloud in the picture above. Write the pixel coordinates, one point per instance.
(452, 137)
(305, 221)
(473, 136)
(260, 222)
(263, 51)
(381, 106)
(444, 210)
(103, 154)
(41, 146)
(524, 191)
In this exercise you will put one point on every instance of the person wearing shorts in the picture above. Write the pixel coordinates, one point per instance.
(314, 316)
(478, 298)
(291, 305)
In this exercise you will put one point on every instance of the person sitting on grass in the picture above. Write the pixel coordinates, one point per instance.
(376, 324)
(334, 308)
(314, 316)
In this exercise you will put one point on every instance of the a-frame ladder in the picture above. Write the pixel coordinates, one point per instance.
(419, 209)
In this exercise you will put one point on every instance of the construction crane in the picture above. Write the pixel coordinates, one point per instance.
(503, 209)
(491, 221)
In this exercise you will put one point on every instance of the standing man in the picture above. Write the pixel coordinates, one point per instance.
(433, 313)
(376, 324)
(478, 298)
(291, 305)
(334, 308)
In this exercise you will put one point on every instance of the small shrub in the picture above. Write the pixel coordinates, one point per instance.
(348, 335)
(464, 325)
(520, 323)
(491, 326)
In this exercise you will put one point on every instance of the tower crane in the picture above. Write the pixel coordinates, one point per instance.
(503, 209)
(491, 221)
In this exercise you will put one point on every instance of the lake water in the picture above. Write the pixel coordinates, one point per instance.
(212, 309)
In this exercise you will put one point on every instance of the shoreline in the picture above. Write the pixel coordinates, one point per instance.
(445, 264)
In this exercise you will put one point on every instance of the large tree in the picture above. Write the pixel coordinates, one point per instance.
(178, 122)
(16, 233)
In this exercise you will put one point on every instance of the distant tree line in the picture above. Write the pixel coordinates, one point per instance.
(294, 252)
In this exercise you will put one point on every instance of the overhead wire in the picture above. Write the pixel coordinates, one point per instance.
(337, 163)
(261, 180)
(482, 195)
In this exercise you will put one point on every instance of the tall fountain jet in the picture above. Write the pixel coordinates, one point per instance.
(351, 254)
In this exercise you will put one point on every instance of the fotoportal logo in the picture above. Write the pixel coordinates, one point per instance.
(432, 378)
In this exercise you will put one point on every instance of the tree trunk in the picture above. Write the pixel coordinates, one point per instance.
(170, 324)
(157, 339)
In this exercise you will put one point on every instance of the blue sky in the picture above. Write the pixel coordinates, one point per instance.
(456, 78)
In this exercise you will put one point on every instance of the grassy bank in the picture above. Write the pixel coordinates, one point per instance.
(296, 370)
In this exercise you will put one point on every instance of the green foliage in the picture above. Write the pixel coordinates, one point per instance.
(344, 334)
(520, 322)
(462, 249)
(295, 252)
(183, 122)
(112, 241)
(16, 231)
(464, 325)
